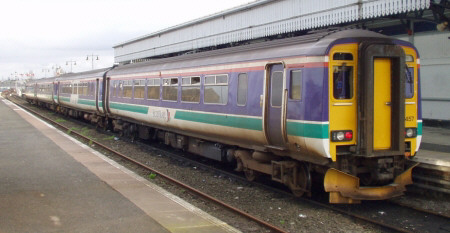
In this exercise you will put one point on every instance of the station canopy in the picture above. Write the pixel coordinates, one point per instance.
(259, 19)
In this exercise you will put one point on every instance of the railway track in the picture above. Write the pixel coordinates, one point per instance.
(379, 214)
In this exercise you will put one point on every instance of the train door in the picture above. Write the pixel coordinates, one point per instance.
(98, 96)
(382, 104)
(381, 114)
(274, 121)
(59, 89)
(55, 92)
(36, 87)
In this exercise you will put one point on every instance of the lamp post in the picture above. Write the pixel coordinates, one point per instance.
(45, 70)
(92, 59)
(58, 70)
(71, 63)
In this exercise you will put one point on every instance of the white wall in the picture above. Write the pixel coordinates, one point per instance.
(434, 51)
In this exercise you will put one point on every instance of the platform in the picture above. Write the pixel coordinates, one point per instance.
(435, 147)
(50, 182)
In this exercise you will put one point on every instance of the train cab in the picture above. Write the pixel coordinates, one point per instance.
(374, 117)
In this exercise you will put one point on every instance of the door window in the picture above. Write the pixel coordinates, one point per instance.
(276, 89)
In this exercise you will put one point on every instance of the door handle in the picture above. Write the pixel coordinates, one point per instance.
(388, 103)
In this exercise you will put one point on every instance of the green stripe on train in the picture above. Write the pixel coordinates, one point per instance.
(419, 128)
(129, 108)
(307, 130)
(293, 128)
(89, 102)
(223, 120)
(86, 102)
(66, 99)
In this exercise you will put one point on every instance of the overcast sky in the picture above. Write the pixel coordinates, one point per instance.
(39, 35)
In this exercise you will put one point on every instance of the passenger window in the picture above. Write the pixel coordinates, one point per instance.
(127, 89)
(139, 88)
(409, 82)
(153, 89)
(91, 88)
(120, 92)
(170, 89)
(216, 89)
(242, 89)
(276, 89)
(75, 88)
(82, 89)
(116, 88)
(190, 89)
(112, 88)
(296, 85)
(343, 82)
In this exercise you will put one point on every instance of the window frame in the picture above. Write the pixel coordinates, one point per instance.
(198, 84)
(127, 83)
(342, 56)
(141, 83)
(352, 79)
(291, 87)
(246, 90)
(115, 89)
(74, 88)
(410, 66)
(271, 89)
(82, 86)
(170, 85)
(215, 84)
(339, 63)
(152, 80)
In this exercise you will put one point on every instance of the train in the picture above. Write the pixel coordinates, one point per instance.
(342, 105)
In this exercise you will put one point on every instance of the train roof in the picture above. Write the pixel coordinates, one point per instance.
(315, 44)
(83, 75)
(41, 80)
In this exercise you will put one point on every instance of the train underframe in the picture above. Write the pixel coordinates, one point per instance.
(349, 180)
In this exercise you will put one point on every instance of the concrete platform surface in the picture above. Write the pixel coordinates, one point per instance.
(434, 135)
(435, 147)
(50, 182)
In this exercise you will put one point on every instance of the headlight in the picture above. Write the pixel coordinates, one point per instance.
(340, 136)
(410, 132)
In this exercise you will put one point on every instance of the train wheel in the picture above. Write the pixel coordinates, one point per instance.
(301, 183)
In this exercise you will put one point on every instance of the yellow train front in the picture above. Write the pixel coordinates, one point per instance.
(375, 121)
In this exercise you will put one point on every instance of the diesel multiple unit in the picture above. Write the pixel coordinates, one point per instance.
(343, 106)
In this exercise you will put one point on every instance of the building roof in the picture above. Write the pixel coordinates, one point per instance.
(259, 19)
